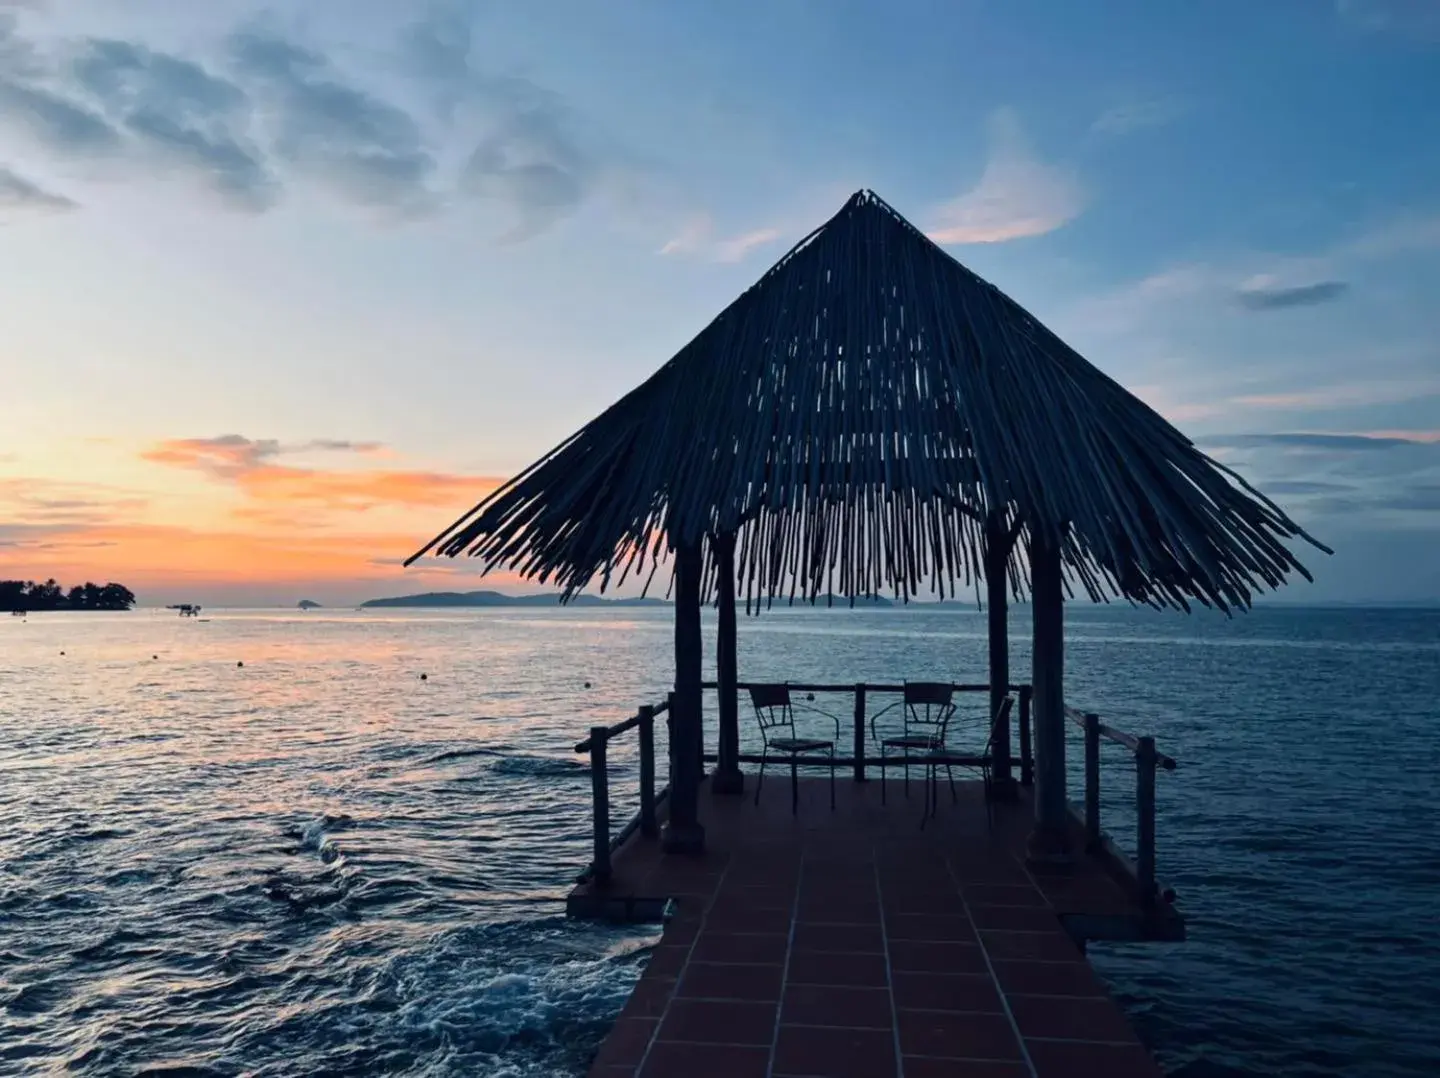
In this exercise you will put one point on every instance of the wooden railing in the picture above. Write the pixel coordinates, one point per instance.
(1148, 759)
(646, 820)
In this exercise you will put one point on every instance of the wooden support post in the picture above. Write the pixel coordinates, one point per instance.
(1027, 754)
(1145, 818)
(600, 793)
(728, 778)
(683, 833)
(648, 826)
(1050, 839)
(1092, 782)
(860, 732)
(997, 555)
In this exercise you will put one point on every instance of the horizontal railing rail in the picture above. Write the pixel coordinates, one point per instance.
(1148, 760)
(646, 819)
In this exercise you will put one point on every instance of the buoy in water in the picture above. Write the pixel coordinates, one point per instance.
(62, 653)
(239, 664)
(424, 677)
(587, 684)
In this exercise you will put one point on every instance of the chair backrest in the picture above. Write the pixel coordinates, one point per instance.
(929, 706)
(772, 706)
(1001, 720)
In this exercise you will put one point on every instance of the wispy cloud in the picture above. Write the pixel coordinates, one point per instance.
(20, 196)
(274, 111)
(698, 237)
(1138, 115)
(253, 466)
(1415, 19)
(1263, 293)
(1018, 194)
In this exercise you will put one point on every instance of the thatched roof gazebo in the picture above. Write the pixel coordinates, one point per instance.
(870, 415)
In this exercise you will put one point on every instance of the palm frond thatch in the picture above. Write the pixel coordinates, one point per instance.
(855, 417)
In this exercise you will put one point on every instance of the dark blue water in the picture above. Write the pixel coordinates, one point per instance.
(318, 864)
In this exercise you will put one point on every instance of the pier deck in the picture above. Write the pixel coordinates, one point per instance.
(854, 943)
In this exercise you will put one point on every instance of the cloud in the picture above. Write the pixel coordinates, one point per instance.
(527, 161)
(1137, 115)
(181, 113)
(1262, 294)
(252, 466)
(55, 122)
(343, 137)
(528, 156)
(1314, 441)
(19, 196)
(1018, 194)
(1418, 20)
(230, 455)
(697, 238)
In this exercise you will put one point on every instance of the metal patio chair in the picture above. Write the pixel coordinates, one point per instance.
(775, 712)
(984, 764)
(926, 708)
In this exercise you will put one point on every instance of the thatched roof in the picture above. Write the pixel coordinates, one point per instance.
(855, 415)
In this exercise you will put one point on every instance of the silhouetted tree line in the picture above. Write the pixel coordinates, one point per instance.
(28, 595)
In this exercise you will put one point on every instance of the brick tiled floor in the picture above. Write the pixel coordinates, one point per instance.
(832, 945)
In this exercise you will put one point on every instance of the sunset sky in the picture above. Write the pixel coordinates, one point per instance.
(288, 287)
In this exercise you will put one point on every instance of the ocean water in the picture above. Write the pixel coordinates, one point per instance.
(317, 863)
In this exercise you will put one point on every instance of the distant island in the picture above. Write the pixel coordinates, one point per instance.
(496, 598)
(24, 596)
(308, 604)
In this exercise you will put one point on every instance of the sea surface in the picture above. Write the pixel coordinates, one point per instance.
(317, 863)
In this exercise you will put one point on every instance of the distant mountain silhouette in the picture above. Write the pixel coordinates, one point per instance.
(308, 604)
(496, 598)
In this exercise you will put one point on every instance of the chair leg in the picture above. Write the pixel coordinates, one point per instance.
(832, 778)
(883, 769)
(907, 774)
(794, 787)
(760, 779)
(954, 797)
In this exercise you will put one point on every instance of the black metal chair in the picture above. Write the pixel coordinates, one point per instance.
(926, 707)
(775, 712)
(984, 764)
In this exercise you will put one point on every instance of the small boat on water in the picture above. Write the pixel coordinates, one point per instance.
(187, 610)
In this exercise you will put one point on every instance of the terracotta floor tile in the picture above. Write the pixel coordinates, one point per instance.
(953, 1035)
(610, 1070)
(1071, 1018)
(921, 1067)
(757, 896)
(1075, 1059)
(983, 894)
(676, 1059)
(922, 956)
(666, 960)
(710, 980)
(930, 928)
(649, 997)
(925, 902)
(865, 939)
(1048, 946)
(946, 991)
(626, 1042)
(829, 1005)
(762, 948)
(747, 919)
(1072, 978)
(715, 1022)
(1021, 918)
(839, 910)
(815, 967)
(835, 1053)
